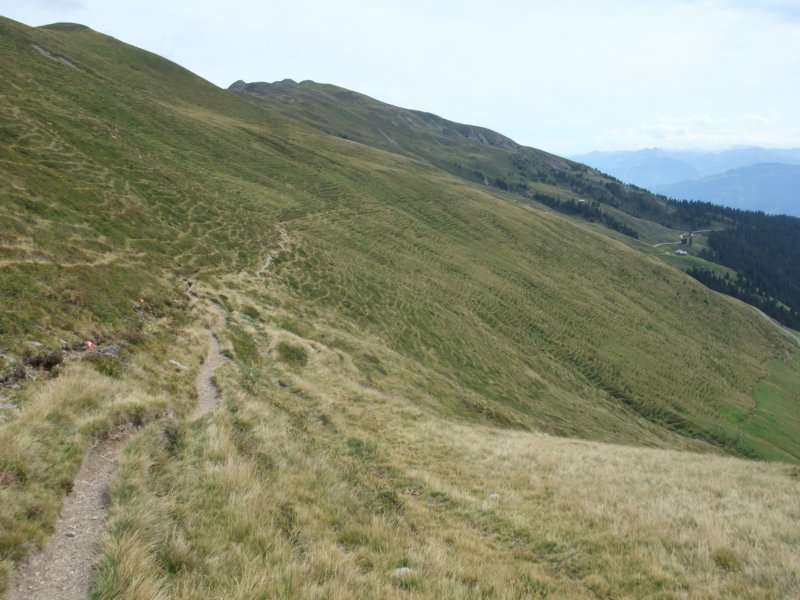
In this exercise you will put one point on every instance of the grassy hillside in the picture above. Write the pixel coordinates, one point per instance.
(469, 152)
(395, 331)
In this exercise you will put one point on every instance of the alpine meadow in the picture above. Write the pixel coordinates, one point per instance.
(340, 349)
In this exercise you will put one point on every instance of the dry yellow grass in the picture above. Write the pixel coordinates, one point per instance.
(317, 481)
(622, 518)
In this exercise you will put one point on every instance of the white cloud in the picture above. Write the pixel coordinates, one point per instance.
(704, 132)
(58, 5)
(566, 76)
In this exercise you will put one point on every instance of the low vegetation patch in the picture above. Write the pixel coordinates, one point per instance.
(292, 354)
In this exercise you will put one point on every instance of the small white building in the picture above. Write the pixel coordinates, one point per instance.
(681, 252)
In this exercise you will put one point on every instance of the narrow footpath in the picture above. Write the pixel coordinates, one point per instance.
(207, 391)
(63, 568)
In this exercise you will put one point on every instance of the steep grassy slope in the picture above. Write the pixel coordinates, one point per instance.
(368, 295)
(531, 321)
(444, 143)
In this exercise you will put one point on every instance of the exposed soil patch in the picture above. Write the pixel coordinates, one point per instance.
(46, 361)
(63, 567)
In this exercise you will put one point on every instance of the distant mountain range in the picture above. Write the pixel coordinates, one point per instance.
(750, 178)
(770, 187)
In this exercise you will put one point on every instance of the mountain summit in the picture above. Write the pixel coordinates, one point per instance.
(372, 120)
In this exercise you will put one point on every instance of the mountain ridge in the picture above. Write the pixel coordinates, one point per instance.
(473, 153)
(308, 88)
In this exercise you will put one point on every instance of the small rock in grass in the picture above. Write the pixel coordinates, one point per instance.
(181, 366)
(109, 350)
(402, 571)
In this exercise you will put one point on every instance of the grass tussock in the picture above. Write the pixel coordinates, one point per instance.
(292, 354)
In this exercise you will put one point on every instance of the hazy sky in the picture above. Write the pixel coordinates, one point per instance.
(563, 75)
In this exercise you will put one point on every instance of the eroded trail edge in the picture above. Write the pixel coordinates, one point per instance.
(63, 567)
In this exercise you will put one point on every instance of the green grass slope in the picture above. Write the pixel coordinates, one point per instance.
(122, 171)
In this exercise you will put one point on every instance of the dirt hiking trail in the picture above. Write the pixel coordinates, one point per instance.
(207, 391)
(63, 567)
